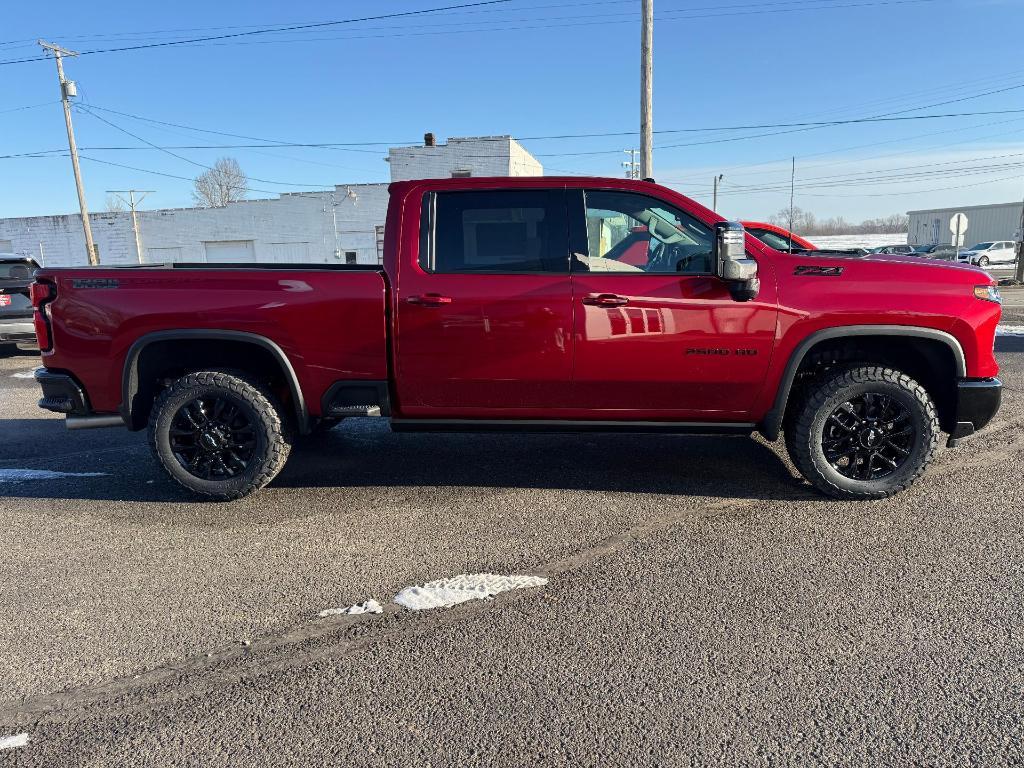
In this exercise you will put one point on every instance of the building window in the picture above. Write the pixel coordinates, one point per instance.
(350, 257)
(462, 173)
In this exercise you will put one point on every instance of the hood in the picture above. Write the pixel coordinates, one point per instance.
(923, 262)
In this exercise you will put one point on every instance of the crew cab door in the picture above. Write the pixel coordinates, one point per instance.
(484, 310)
(662, 339)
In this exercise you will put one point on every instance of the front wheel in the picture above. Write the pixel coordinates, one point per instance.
(218, 434)
(864, 433)
(983, 262)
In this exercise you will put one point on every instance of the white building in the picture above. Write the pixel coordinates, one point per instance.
(985, 223)
(345, 225)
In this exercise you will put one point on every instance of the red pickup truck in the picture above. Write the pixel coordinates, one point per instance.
(509, 304)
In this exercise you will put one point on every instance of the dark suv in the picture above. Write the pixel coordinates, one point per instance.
(15, 305)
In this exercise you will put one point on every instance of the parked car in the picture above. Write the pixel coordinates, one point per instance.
(502, 306)
(895, 250)
(15, 305)
(996, 252)
(776, 237)
(936, 250)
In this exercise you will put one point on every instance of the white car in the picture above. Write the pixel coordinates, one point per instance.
(983, 254)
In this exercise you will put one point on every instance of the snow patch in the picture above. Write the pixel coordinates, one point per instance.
(11, 742)
(856, 241)
(445, 593)
(370, 606)
(1010, 330)
(21, 475)
(24, 374)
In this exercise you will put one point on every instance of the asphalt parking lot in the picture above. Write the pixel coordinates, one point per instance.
(703, 606)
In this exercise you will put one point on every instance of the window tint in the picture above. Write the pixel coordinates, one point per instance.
(500, 231)
(632, 233)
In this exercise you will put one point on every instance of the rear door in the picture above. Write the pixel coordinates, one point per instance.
(663, 339)
(484, 314)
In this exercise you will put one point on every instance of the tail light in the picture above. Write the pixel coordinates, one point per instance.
(42, 294)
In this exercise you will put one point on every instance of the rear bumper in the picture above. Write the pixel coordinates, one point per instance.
(17, 330)
(62, 394)
(977, 402)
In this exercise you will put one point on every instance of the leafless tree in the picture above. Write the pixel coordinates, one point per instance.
(115, 204)
(225, 183)
(805, 223)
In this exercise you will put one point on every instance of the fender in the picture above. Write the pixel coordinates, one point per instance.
(771, 425)
(130, 379)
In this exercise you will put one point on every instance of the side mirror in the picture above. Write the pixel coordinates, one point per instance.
(731, 262)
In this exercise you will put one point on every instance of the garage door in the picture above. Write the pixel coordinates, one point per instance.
(229, 251)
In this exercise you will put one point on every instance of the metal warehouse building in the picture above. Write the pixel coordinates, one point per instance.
(999, 221)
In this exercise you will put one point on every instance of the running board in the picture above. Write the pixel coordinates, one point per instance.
(552, 425)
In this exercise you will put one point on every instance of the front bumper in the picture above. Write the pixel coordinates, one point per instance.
(21, 331)
(977, 401)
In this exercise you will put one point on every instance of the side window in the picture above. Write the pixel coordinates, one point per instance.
(510, 231)
(633, 233)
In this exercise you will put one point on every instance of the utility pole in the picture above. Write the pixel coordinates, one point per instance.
(792, 197)
(1019, 271)
(632, 166)
(646, 88)
(67, 89)
(714, 199)
(132, 203)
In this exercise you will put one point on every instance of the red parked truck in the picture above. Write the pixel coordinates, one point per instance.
(502, 304)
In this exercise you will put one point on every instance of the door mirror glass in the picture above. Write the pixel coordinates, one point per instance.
(732, 264)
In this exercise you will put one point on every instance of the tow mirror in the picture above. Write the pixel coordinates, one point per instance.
(731, 262)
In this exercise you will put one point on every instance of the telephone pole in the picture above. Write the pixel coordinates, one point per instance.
(67, 89)
(1018, 273)
(131, 202)
(714, 199)
(646, 88)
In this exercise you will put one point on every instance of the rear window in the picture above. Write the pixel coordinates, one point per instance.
(497, 231)
(16, 271)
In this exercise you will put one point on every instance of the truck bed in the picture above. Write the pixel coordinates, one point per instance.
(329, 320)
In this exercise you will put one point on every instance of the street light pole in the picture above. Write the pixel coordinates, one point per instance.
(714, 199)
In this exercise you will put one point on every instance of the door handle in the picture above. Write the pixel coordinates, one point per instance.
(430, 300)
(605, 300)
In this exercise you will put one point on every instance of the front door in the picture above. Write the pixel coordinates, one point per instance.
(660, 337)
(484, 315)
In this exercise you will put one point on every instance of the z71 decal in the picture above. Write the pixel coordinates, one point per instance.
(818, 271)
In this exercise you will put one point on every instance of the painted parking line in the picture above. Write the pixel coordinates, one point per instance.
(13, 475)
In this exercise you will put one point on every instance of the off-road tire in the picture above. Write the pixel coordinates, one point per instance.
(805, 432)
(260, 406)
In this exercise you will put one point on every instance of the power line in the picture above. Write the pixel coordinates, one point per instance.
(217, 39)
(281, 29)
(186, 159)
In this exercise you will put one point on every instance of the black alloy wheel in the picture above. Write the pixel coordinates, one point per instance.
(868, 437)
(213, 437)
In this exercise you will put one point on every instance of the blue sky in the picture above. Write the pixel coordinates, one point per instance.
(532, 68)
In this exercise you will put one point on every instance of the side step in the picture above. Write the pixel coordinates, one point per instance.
(344, 411)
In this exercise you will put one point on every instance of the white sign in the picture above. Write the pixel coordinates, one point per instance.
(958, 227)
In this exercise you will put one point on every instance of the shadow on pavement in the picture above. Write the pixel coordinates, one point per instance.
(364, 453)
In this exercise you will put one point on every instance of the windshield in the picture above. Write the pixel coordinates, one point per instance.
(771, 239)
(981, 247)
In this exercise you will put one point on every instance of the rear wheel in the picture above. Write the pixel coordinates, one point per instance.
(863, 433)
(218, 434)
